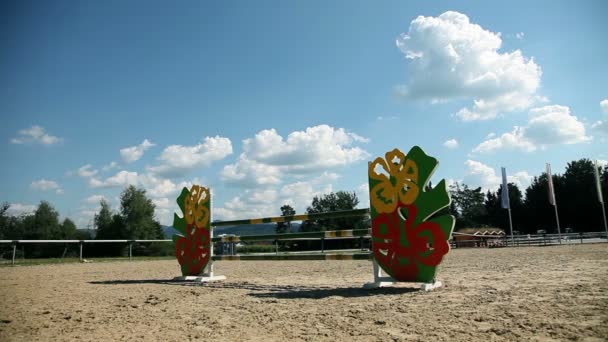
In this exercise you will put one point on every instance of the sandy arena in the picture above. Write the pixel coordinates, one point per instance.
(537, 293)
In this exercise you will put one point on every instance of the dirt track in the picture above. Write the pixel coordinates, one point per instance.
(538, 293)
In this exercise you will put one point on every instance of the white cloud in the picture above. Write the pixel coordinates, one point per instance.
(548, 125)
(600, 126)
(164, 210)
(111, 166)
(35, 135)
(514, 140)
(121, 179)
(267, 157)
(86, 171)
(255, 203)
(18, 209)
(452, 58)
(133, 153)
(480, 174)
(602, 162)
(555, 124)
(451, 144)
(45, 185)
(520, 35)
(604, 105)
(95, 199)
(250, 172)
(386, 118)
(177, 160)
(522, 179)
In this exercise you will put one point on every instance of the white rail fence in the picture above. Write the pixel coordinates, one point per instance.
(471, 241)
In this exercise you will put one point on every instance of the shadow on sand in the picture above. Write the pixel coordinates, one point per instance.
(274, 291)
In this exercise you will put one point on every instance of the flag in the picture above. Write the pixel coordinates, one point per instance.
(550, 181)
(505, 190)
(598, 184)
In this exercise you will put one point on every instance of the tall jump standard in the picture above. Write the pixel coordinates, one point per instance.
(409, 237)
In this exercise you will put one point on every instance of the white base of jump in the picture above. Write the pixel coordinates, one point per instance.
(384, 281)
(423, 286)
(200, 279)
(206, 277)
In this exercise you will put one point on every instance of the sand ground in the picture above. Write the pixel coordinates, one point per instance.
(531, 293)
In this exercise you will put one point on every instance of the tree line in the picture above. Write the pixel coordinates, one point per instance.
(134, 221)
(575, 191)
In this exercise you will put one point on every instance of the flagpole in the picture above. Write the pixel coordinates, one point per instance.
(559, 232)
(506, 202)
(605, 224)
(600, 198)
(511, 227)
(553, 201)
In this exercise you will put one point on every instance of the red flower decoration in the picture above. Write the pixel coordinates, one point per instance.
(192, 251)
(400, 251)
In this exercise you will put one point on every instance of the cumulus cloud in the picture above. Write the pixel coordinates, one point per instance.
(35, 135)
(452, 58)
(86, 171)
(134, 153)
(178, 160)
(548, 125)
(46, 185)
(601, 126)
(480, 174)
(95, 199)
(18, 209)
(120, 179)
(604, 105)
(255, 203)
(268, 156)
(451, 144)
(520, 35)
(111, 166)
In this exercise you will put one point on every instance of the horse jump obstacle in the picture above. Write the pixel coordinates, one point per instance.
(409, 237)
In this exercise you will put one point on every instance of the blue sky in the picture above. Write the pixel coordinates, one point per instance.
(273, 102)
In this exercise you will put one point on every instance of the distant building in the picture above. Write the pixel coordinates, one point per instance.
(479, 237)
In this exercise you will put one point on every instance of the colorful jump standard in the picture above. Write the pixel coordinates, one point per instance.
(409, 239)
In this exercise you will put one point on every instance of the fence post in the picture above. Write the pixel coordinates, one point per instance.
(14, 251)
(81, 243)
(130, 250)
(581, 235)
(322, 245)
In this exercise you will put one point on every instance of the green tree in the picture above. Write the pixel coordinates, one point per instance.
(4, 221)
(285, 227)
(45, 223)
(469, 204)
(341, 200)
(106, 230)
(68, 230)
(538, 212)
(137, 212)
(577, 201)
(497, 216)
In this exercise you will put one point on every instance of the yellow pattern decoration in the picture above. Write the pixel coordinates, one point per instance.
(398, 184)
(196, 211)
